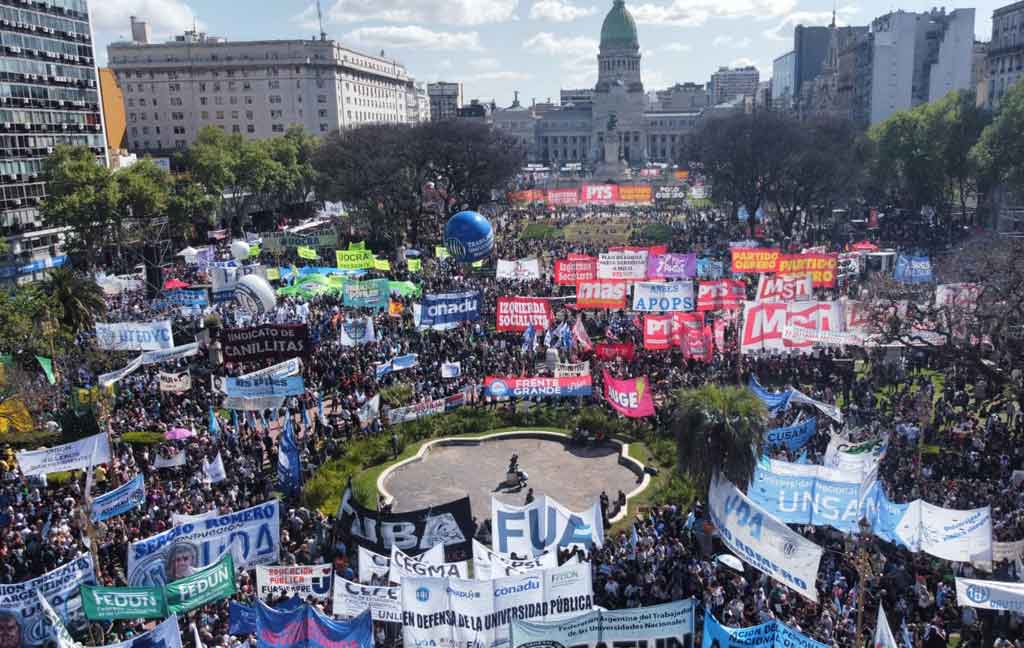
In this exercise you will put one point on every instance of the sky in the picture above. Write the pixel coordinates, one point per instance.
(496, 47)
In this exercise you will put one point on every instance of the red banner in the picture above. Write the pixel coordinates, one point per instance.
(540, 387)
(563, 196)
(635, 193)
(784, 288)
(518, 313)
(754, 259)
(569, 272)
(601, 293)
(721, 293)
(605, 194)
(653, 250)
(630, 397)
(527, 196)
(622, 350)
(697, 344)
(822, 267)
(658, 332)
(720, 326)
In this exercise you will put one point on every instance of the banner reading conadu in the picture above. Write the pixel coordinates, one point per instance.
(179, 551)
(303, 581)
(668, 624)
(543, 525)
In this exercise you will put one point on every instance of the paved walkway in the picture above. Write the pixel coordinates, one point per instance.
(573, 476)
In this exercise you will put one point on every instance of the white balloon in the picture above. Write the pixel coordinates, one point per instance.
(240, 250)
(254, 294)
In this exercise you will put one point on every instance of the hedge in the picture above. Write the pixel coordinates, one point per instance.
(142, 438)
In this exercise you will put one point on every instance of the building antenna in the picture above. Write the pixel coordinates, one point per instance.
(833, 14)
(320, 19)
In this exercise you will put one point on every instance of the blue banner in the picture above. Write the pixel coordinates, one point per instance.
(793, 437)
(912, 269)
(289, 470)
(708, 269)
(264, 386)
(775, 402)
(242, 617)
(371, 293)
(120, 500)
(398, 363)
(307, 627)
(186, 297)
(807, 494)
(450, 308)
(773, 634)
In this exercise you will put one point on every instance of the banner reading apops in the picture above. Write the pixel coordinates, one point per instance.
(540, 387)
(177, 552)
(652, 296)
(134, 336)
(821, 267)
(302, 580)
(601, 293)
(108, 603)
(18, 601)
(668, 624)
(450, 524)
(265, 342)
(519, 313)
(352, 599)
(543, 525)
(630, 397)
(754, 259)
(569, 272)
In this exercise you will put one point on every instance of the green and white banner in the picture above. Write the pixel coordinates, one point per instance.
(205, 586)
(106, 603)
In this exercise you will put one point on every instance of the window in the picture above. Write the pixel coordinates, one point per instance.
(235, 128)
(156, 129)
(324, 128)
(275, 99)
(218, 101)
(273, 84)
(202, 101)
(180, 144)
(220, 114)
(233, 100)
(135, 131)
(179, 130)
(128, 88)
(202, 86)
(246, 85)
(131, 103)
(321, 98)
(131, 116)
(277, 128)
(276, 114)
(216, 85)
(250, 129)
(248, 115)
(248, 101)
(177, 116)
(175, 101)
(322, 113)
(204, 115)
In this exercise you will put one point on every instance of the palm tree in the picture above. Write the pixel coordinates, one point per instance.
(80, 298)
(718, 429)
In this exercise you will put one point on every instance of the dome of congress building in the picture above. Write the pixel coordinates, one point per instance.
(619, 29)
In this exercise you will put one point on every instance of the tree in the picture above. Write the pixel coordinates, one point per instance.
(719, 430)
(189, 209)
(145, 196)
(999, 151)
(80, 299)
(82, 195)
(295, 177)
(22, 311)
(732, 152)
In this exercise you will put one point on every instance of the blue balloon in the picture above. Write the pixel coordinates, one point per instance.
(469, 237)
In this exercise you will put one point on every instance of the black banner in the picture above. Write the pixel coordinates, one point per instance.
(449, 524)
(265, 342)
(670, 193)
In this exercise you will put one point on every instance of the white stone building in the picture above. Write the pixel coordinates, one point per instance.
(1005, 51)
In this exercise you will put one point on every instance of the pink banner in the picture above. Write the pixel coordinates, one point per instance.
(630, 397)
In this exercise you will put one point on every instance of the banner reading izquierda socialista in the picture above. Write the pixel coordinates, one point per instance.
(180, 551)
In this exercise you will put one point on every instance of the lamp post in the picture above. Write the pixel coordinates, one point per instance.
(862, 563)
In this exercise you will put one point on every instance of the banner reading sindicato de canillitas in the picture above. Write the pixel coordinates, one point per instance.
(265, 342)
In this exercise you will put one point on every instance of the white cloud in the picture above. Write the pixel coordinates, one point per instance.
(415, 37)
(499, 75)
(678, 47)
(559, 11)
(654, 79)
(694, 13)
(784, 30)
(576, 55)
(165, 17)
(446, 12)
(730, 41)
(484, 64)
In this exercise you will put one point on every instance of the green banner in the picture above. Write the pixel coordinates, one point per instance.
(254, 251)
(357, 245)
(207, 585)
(47, 365)
(404, 288)
(105, 603)
(354, 259)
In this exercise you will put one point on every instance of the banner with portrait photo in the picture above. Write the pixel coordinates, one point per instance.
(19, 605)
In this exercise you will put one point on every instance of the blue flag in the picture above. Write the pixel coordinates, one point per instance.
(289, 471)
(234, 420)
(306, 627)
(214, 425)
(305, 416)
(320, 406)
(528, 337)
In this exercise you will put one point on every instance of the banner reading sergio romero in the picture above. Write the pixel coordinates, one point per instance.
(60, 587)
(177, 552)
(668, 624)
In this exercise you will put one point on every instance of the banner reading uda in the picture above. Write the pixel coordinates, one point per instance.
(90, 451)
(134, 336)
(754, 259)
(651, 296)
(821, 267)
(519, 313)
(631, 266)
(352, 599)
(601, 293)
(569, 272)
(265, 342)
(763, 541)
(449, 524)
(179, 551)
(668, 625)
(18, 601)
(302, 580)
(543, 525)
(540, 387)
(719, 294)
(519, 270)
(630, 397)
(448, 309)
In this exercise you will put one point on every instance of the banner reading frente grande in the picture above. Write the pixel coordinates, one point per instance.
(539, 387)
(754, 259)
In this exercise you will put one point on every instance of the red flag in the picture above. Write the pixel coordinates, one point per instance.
(580, 334)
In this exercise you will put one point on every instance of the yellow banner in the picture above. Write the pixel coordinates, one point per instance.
(356, 245)
(354, 259)
(441, 252)
(254, 251)
(307, 253)
(273, 273)
(381, 264)
(415, 265)
(14, 416)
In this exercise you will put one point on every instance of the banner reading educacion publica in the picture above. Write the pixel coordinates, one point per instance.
(134, 336)
(478, 614)
(90, 451)
(177, 552)
(543, 525)
(668, 625)
(60, 587)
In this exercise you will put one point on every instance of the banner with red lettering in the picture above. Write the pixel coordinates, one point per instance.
(658, 332)
(683, 323)
(822, 267)
(518, 313)
(630, 397)
(563, 196)
(754, 259)
(650, 249)
(527, 196)
(720, 293)
(811, 323)
(569, 272)
(604, 194)
(784, 288)
(697, 344)
(720, 326)
(607, 351)
(630, 266)
(763, 325)
(601, 293)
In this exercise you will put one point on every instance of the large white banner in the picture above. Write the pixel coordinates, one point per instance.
(177, 461)
(630, 266)
(544, 525)
(90, 451)
(488, 565)
(785, 288)
(663, 297)
(478, 614)
(962, 536)
(108, 379)
(404, 566)
(373, 565)
(180, 551)
(284, 369)
(134, 336)
(762, 540)
(357, 331)
(990, 595)
(175, 383)
(60, 587)
(178, 519)
(521, 270)
(305, 581)
(859, 460)
(352, 599)
(174, 353)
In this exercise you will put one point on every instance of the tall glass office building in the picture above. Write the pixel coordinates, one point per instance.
(49, 95)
